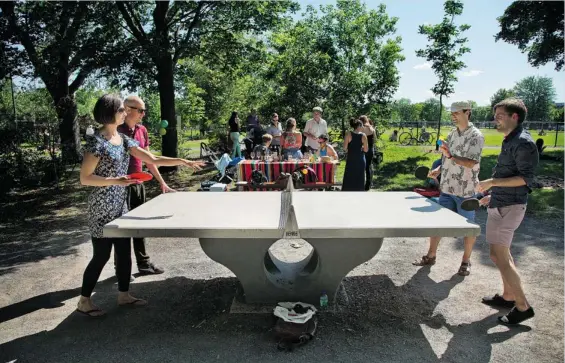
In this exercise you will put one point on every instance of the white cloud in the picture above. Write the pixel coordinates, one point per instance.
(471, 73)
(429, 92)
(423, 66)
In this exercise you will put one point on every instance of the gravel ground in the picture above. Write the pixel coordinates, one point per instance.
(396, 312)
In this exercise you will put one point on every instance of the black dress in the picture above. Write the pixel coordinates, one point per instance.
(369, 161)
(354, 176)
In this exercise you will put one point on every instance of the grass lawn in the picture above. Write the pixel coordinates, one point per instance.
(396, 173)
(492, 137)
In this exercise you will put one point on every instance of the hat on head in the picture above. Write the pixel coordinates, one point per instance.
(460, 106)
(318, 109)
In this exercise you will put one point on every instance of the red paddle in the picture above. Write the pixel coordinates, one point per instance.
(140, 176)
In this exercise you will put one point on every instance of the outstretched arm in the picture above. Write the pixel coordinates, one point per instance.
(149, 158)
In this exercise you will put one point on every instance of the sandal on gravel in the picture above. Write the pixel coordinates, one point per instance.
(498, 301)
(135, 302)
(516, 316)
(464, 269)
(90, 313)
(425, 261)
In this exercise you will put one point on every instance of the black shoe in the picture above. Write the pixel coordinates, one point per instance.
(516, 316)
(149, 269)
(498, 301)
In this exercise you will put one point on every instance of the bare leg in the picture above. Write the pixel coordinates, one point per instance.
(434, 243)
(469, 243)
(510, 277)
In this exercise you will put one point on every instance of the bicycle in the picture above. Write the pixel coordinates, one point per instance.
(407, 138)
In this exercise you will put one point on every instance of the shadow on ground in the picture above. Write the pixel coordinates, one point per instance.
(188, 321)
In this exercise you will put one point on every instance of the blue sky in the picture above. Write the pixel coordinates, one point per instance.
(490, 65)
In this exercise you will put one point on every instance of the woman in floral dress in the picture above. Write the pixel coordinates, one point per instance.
(104, 167)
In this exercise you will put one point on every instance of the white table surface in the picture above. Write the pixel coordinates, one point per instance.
(318, 215)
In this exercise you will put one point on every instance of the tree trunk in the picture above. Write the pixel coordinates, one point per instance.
(439, 121)
(165, 81)
(69, 131)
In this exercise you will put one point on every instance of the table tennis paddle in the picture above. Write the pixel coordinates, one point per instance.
(473, 203)
(422, 172)
(142, 177)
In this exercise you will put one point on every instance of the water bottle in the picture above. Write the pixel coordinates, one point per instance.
(324, 300)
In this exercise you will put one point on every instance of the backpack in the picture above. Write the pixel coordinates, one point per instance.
(291, 335)
(257, 177)
(299, 175)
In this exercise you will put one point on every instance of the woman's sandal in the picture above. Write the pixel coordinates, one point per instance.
(90, 312)
(425, 261)
(464, 269)
(134, 302)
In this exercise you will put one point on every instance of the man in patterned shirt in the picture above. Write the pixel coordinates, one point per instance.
(459, 177)
(132, 127)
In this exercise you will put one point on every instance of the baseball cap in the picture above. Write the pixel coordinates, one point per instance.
(460, 106)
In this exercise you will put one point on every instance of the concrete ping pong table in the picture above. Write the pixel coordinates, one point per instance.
(236, 230)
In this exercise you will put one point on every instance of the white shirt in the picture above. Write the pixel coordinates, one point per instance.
(317, 129)
(275, 132)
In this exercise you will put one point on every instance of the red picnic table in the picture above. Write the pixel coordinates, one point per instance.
(272, 169)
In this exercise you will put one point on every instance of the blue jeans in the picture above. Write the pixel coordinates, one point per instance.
(453, 203)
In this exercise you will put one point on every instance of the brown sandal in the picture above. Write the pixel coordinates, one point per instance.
(464, 269)
(425, 261)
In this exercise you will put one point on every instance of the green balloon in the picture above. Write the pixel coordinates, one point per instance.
(164, 124)
(162, 131)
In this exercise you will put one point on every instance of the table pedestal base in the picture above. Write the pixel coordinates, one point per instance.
(265, 279)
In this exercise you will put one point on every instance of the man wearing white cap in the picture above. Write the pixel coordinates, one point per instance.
(459, 176)
(315, 127)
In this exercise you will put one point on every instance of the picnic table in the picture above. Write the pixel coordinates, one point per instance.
(341, 240)
(272, 169)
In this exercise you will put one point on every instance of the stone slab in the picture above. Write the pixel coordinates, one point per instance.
(318, 215)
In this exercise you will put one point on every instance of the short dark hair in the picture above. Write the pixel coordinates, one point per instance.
(512, 106)
(324, 137)
(356, 123)
(106, 108)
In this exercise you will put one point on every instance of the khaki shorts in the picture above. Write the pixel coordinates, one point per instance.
(502, 222)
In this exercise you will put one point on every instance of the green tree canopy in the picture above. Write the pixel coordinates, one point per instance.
(446, 47)
(537, 28)
(538, 94)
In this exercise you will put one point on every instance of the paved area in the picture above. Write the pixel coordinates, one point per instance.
(395, 312)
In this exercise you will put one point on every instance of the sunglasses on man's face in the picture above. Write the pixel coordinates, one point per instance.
(139, 110)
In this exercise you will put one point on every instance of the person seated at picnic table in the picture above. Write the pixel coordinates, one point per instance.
(291, 140)
(263, 149)
(275, 130)
(104, 167)
(325, 148)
